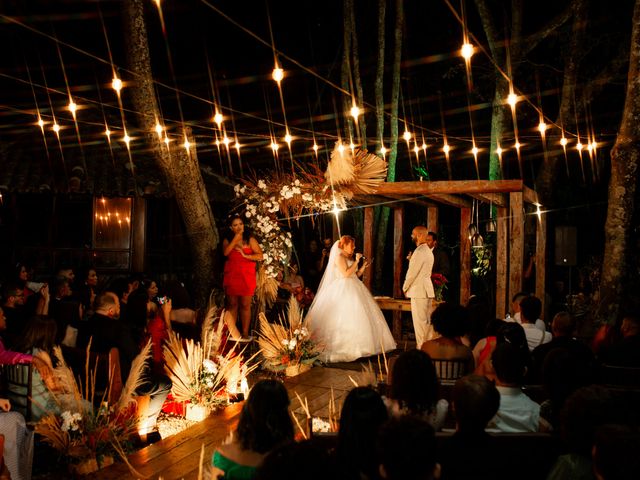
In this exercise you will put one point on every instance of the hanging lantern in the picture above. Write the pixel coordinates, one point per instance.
(477, 241)
(491, 225)
(472, 229)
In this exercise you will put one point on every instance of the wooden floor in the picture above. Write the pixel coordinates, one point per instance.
(178, 456)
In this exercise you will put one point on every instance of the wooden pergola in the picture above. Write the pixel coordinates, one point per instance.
(508, 196)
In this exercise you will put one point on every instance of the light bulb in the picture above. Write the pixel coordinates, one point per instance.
(467, 51)
(446, 148)
(116, 84)
(512, 99)
(475, 150)
(563, 141)
(406, 135)
(383, 150)
(56, 127)
(315, 147)
(288, 138)
(226, 141)
(542, 127)
(517, 145)
(416, 149)
(355, 112)
(579, 146)
(499, 150)
(40, 122)
(72, 107)
(277, 74)
(186, 144)
(274, 146)
(218, 119)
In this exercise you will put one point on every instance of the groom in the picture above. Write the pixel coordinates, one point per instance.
(417, 284)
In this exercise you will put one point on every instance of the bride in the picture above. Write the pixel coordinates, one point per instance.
(344, 315)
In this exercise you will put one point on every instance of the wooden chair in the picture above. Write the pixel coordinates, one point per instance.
(18, 387)
(449, 371)
(620, 376)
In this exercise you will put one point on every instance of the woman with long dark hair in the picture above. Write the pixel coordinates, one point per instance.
(242, 251)
(264, 424)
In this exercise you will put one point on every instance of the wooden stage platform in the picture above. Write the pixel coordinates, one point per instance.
(178, 456)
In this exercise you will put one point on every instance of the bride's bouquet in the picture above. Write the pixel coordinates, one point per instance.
(288, 344)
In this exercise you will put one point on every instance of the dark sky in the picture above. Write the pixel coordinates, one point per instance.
(309, 31)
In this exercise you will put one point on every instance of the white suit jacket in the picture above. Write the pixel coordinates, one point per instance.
(417, 283)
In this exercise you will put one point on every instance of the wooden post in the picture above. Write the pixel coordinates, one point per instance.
(516, 236)
(138, 244)
(367, 247)
(465, 256)
(398, 258)
(541, 259)
(432, 219)
(502, 252)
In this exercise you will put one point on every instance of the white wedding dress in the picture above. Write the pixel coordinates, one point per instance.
(345, 318)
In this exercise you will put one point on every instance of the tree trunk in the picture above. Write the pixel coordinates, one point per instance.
(379, 82)
(180, 167)
(355, 56)
(549, 170)
(393, 152)
(622, 187)
(345, 77)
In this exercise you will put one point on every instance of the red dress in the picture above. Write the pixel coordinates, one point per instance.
(239, 274)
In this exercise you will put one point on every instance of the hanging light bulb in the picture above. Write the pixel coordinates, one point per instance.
(277, 74)
(340, 148)
(159, 130)
(579, 146)
(274, 146)
(383, 150)
(475, 151)
(512, 99)
(218, 118)
(116, 84)
(226, 141)
(477, 241)
(517, 145)
(499, 151)
(72, 107)
(466, 51)
(416, 149)
(446, 149)
(315, 147)
(288, 139)
(186, 144)
(406, 135)
(41, 123)
(355, 112)
(563, 141)
(56, 127)
(542, 127)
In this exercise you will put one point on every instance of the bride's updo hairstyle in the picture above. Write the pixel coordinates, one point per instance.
(346, 240)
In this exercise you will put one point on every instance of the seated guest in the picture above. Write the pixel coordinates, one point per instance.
(310, 457)
(516, 313)
(530, 310)
(9, 357)
(626, 351)
(472, 453)
(563, 326)
(449, 320)
(363, 412)
(88, 290)
(17, 452)
(414, 389)
(264, 424)
(66, 311)
(517, 412)
(485, 347)
(15, 313)
(407, 450)
(615, 453)
(584, 412)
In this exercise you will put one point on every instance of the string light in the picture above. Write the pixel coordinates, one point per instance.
(563, 141)
(277, 74)
(159, 130)
(512, 99)
(579, 146)
(355, 112)
(446, 149)
(107, 132)
(424, 146)
(517, 145)
(274, 146)
(383, 150)
(499, 150)
(542, 127)
(218, 118)
(315, 148)
(41, 124)
(288, 139)
(237, 146)
(341, 148)
(56, 128)
(126, 139)
(116, 84)
(186, 144)
(166, 141)
(416, 149)
(475, 151)
(406, 135)
(467, 51)
(72, 108)
(226, 141)
(352, 146)
(594, 144)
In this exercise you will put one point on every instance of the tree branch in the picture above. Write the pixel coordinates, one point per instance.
(533, 40)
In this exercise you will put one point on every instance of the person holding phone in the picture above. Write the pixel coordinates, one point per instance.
(243, 252)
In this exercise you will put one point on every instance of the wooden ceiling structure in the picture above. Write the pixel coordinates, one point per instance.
(508, 196)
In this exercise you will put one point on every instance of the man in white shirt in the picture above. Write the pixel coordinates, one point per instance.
(515, 309)
(417, 285)
(530, 310)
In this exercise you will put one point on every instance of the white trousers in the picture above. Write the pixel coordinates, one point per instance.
(421, 315)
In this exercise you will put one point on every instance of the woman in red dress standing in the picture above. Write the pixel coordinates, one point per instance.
(242, 252)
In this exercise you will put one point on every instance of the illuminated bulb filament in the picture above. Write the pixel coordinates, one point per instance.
(237, 146)
(341, 148)
(424, 146)
(107, 132)
(352, 146)
(127, 139)
(159, 129)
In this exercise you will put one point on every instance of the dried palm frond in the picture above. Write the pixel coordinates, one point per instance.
(135, 379)
(271, 336)
(64, 376)
(182, 364)
(340, 169)
(369, 172)
(367, 376)
(51, 430)
(294, 312)
(266, 288)
(212, 327)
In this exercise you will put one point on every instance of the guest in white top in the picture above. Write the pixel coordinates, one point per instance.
(530, 309)
(516, 314)
(517, 412)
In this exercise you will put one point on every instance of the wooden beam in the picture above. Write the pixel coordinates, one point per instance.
(138, 244)
(452, 200)
(516, 234)
(367, 248)
(502, 252)
(451, 187)
(530, 196)
(465, 256)
(498, 199)
(398, 260)
(541, 260)
(432, 219)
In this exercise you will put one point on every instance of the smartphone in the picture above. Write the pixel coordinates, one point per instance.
(162, 300)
